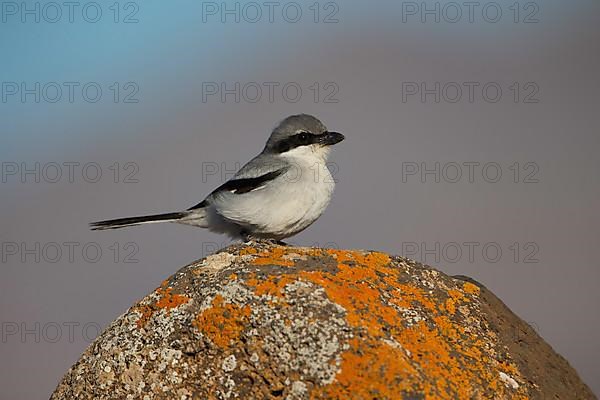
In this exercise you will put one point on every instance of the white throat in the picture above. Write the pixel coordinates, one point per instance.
(308, 154)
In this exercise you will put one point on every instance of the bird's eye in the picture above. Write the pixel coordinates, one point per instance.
(304, 137)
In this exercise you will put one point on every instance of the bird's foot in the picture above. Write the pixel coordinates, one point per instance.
(249, 238)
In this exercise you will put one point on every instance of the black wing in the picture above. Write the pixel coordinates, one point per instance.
(243, 185)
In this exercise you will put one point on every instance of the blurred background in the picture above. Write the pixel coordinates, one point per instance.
(472, 145)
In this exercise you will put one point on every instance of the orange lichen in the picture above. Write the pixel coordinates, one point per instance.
(358, 298)
(166, 301)
(434, 354)
(248, 250)
(468, 287)
(371, 370)
(406, 296)
(371, 259)
(450, 306)
(146, 312)
(454, 297)
(272, 285)
(222, 322)
(273, 257)
(431, 348)
(169, 300)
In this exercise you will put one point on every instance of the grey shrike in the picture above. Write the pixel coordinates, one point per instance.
(275, 195)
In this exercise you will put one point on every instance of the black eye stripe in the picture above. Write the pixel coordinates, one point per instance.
(299, 139)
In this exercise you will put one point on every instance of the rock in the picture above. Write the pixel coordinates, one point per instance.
(262, 321)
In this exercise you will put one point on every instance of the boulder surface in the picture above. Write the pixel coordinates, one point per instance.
(263, 321)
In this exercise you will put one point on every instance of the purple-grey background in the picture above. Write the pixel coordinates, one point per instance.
(357, 64)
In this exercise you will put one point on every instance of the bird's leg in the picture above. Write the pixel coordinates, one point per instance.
(248, 237)
(273, 241)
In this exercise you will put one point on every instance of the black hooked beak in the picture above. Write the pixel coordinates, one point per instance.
(330, 138)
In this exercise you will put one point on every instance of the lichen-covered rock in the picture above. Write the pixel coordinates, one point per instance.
(262, 321)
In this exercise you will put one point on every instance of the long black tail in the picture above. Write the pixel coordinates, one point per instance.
(132, 221)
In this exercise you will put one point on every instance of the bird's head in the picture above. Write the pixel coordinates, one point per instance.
(302, 136)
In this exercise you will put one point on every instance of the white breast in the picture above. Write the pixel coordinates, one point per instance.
(300, 197)
(309, 198)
